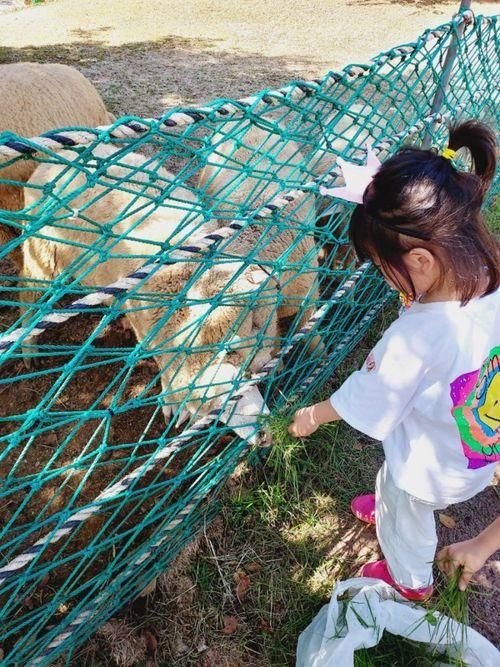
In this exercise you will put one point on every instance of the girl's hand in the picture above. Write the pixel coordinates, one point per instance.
(468, 555)
(304, 422)
(307, 420)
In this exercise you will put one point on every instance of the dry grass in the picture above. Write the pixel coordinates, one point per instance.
(146, 55)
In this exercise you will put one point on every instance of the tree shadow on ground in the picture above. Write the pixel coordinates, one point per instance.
(162, 74)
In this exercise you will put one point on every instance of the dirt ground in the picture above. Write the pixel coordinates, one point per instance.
(148, 55)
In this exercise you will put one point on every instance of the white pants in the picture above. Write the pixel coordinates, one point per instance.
(406, 532)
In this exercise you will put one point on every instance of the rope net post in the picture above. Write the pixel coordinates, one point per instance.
(467, 15)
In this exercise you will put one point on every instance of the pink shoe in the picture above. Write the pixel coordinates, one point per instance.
(363, 507)
(379, 570)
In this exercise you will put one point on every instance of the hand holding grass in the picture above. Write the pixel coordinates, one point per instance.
(470, 555)
(306, 420)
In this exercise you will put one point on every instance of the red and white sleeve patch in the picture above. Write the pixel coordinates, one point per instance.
(370, 364)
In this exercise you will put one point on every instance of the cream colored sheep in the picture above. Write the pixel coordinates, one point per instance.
(121, 187)
(216, 302)
(247, 169)
(341, 129)
(242, 173)
(36, 98)
(161, 328)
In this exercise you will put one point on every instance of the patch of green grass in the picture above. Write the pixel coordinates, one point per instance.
(287, 526)
(450, 600)
(395, 651)
(204, 576)
(290, 515)
(286, 454)
(492, 216)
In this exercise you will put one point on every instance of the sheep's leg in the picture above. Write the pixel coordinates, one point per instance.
(8, 280)
(11, 199)
(31, 269)
(174, 379)
(301, 288)
(182, 418)
(315, 344)
(16, 256)
(168, 373)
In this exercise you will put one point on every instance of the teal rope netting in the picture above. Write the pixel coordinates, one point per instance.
(169, 266)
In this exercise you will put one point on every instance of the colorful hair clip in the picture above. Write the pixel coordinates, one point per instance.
(357, 178)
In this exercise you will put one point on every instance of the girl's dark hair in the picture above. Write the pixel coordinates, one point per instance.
(419, 199)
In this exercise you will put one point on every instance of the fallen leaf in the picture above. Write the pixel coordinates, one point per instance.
(44, 580)
(357, 446)
(447, 520)
(265, 627)
(242, 584)
(212, 659)
(28, 602)
(230, 625)
(202, 646)
(150, 641)
(50, 439)
(180, 646)
(149, 589)
(253, 567)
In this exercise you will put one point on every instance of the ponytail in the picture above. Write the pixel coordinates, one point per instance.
(481, 142)
(419, 199)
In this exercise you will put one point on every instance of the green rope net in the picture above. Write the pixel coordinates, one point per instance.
(179, 274)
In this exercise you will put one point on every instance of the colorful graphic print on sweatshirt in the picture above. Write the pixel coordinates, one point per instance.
(476, 409)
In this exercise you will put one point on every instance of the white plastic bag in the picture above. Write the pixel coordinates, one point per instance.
(342, 627)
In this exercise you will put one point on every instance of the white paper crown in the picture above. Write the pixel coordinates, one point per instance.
(357, 177)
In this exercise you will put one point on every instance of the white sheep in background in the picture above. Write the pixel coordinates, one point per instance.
(246, 169)
(91, 253)
(123, 185)
(203, 307)
(341, 129)
(34, 99)
(247, 172)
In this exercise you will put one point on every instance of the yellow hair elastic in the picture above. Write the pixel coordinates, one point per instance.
(448, 153)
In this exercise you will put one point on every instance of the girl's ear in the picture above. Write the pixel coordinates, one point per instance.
(420, 261)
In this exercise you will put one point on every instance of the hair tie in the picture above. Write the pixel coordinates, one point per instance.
(448, 153)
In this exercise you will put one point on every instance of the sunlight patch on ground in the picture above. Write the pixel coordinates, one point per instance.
(323, 33)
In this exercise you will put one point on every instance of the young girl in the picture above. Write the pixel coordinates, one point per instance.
(430, 388)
